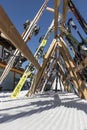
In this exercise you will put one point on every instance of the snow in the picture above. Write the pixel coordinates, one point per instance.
(46, 111)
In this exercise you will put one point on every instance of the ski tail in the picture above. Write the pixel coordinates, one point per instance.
(78, 16)
(19, 86)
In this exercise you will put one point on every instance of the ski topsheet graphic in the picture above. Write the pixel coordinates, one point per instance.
(30, 68)
(78, 16)
(26, 35)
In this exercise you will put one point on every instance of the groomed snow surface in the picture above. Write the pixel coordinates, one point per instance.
(46, 111)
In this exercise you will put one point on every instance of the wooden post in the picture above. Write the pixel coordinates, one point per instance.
(64, 11)
(41, 71)
(82, 65)
(56, 8)
(82, 91)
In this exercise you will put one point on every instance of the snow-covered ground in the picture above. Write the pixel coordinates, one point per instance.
(47, 111)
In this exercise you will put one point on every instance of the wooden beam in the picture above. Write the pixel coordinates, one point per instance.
(64, 78)
(71, 75)
(56, 8)
(64, 11)
(12, 34)
(3, 65)
(46, 59)
(47, 70)
(82, 65)
(3, 36)
(41, 71)
(82, 91)
(50, 49)
(50, 9)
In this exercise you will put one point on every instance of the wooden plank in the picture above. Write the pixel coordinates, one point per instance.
(72, 76)
(64, 11)
(41, 71)
(82, 65)
(50, 9)
(46, 59)
(50, 49)
(12, 34)
(56, 8)
(49, 64)
(82, 91)
(2, 65)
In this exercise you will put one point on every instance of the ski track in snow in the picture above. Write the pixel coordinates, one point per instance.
(46, 111)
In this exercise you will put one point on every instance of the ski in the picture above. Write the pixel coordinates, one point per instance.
(74, 42)
(78, 16)
(71, 23)
(26, 35)
(83, 72)
(30, 68)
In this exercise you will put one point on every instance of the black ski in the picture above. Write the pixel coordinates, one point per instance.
(78, 16)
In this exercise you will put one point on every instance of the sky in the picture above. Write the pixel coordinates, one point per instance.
(21, 10)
